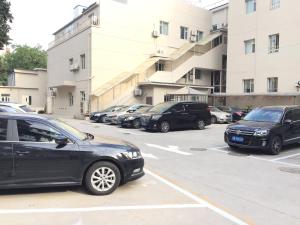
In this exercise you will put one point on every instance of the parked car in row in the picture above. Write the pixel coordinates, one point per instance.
(38, 151)
(113, 118)
(218, 116)
(21, 108)
(236, 113)
(176, 115)
(133, 120)
(266, 128)
(99, 117)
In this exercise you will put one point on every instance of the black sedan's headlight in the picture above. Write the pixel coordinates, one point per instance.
(132, 154)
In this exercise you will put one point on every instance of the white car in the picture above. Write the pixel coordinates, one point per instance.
(218, 116)
(21, 108)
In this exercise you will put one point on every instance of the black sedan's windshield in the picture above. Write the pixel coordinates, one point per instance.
(265, 115)
(160, 108)
(76, 133)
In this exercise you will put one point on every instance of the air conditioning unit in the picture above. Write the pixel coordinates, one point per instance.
(53, 92)
(155, 34)
(193, 33)
(193, 38)
(138, 92)
(74, 67)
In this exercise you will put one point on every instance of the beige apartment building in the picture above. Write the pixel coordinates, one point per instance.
(137, 51)
(27, 87)
(263, 52)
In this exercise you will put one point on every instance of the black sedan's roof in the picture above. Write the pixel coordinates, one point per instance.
(5, 115)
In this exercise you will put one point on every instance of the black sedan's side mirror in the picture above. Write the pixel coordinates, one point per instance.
(61, 141)
(288, 122)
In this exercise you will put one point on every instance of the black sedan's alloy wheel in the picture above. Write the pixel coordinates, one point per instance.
(214, 120)
(275, 145)
(200, 125)
(136, 124)
(164, 127)
(102, 178)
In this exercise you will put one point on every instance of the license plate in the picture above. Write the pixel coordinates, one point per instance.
(237, 139)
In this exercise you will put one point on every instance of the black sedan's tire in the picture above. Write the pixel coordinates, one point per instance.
(136, 124)
(102, 119)
(214, 120)
(200, 124)
(102, 178)
(275, 145)
(164, 127)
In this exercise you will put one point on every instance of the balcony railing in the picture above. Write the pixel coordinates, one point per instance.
(73, 29)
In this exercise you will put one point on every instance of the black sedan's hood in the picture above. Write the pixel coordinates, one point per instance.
(111, 142)
(251, 125)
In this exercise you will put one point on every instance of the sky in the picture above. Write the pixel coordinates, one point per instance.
(36, 20)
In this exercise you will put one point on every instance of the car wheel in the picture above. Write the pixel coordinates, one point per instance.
(102, 119)
(102, 178)
(136, 124)
(200, 125)
(214, 120)
(275, 145)
(164, 127)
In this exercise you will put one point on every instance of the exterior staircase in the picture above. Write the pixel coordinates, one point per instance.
(122, 86)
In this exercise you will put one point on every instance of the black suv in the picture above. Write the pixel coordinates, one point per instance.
(176, 115)
(266, 128)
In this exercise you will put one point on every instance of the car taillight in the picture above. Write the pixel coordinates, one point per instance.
(208, 109)
(239, 113)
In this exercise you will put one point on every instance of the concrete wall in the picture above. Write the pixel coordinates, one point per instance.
(261, 65)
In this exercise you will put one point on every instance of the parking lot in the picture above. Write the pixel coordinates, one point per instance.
(192, 177)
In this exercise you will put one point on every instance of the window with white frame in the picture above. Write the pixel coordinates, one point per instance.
(250, 6)
(164, 28)
(82, 59)
(5, 97)
(184, 33)
(249, 46)
(199, 35)
(275, 4)
(273, 84)
(274, 43)
(248, 85)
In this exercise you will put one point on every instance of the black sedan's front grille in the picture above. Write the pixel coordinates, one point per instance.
(241, 132)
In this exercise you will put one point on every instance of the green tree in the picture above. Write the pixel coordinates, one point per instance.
(22, 57)
(5, 18)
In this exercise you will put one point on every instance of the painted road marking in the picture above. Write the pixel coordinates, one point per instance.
(286, 157)
(174, 149)
(147, 155)
(200, 201)
(97, 209)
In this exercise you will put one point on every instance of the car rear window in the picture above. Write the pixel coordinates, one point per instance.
(196, 106)
(3, 130)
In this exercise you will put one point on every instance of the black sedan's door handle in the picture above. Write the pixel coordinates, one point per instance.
(22, 152)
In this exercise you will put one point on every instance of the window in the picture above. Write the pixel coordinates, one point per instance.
(178, 108)
(160, 66)
(71, 99)
(218, 81)
(249, 86)
(273, 84)
(275, 4)
(29, 100)
(164, 28)
(30, 131)
(217, 41)
(293, 115)
(215, 27)
(82, 59)
(199, 36)
(82, 96)
(249, 46)
(274, 43)
(184, 33)
(250, 6)
(198, 74)
(224, 62)
(5, 97)
(3, 130)
(71, 61)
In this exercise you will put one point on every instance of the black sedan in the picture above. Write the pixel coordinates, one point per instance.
(100, 117)
(133, 120)
(39, 151)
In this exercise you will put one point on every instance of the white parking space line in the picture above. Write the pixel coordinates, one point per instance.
(174, 149)
(286, 157)
(217, 150)
(98, 209)
(147, 155)
(200, 201)
(120, 130)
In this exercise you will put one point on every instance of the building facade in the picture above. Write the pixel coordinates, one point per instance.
(27, 87)
(263, 59)
(131, 51)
